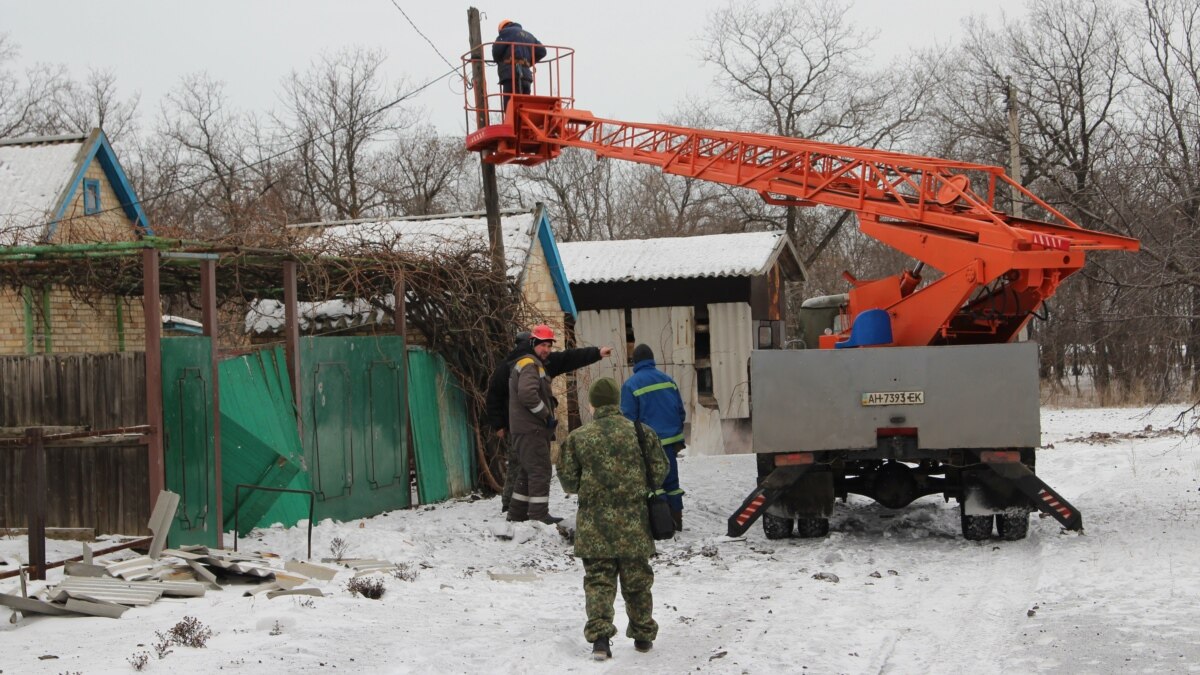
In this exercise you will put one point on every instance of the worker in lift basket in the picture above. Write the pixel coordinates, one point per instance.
(515, 50)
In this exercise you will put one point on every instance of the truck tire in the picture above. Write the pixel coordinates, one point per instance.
(812, 528)
(976, 528)
(776, 527)
(1012, 527)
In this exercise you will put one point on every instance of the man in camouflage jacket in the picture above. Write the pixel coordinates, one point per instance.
(603, 462)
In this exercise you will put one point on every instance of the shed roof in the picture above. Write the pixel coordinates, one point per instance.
(714, 255)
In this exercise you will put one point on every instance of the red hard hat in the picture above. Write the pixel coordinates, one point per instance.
(542, 333)
(503, 23)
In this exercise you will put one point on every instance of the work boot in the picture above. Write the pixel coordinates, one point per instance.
(600, 650)
(643, 645)
(549, 519)
(516, 519)
(504, 507)
(677, 516)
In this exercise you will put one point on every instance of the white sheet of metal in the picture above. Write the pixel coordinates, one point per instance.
(732, 338)
(596, 328)
(671, 333)
(652, 327)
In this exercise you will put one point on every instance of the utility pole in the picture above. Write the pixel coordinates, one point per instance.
(491, 197)
(1014, 144)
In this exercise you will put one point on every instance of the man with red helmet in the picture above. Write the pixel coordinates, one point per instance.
(531, 425)
(557, 363)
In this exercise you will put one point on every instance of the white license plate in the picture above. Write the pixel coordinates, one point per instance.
(893, 398)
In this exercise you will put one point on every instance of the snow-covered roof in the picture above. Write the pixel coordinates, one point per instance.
(34, 174)
(430, 234)
(714, 255)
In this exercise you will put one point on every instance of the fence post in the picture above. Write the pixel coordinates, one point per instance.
(35, 500)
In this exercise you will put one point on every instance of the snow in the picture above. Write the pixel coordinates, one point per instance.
(713, 255)
(911, 595)
(32, 178)
(430, 235)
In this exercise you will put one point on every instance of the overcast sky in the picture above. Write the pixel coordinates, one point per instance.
(635, 60)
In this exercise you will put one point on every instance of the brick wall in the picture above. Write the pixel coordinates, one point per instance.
(74, 325)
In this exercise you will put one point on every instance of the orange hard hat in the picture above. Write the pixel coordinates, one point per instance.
(541, 333)
(503, 23)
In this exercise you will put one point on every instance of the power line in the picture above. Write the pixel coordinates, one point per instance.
(414, 26)
(264, 160)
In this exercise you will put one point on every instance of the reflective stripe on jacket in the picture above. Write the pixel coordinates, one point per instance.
(530, 401)
(652, 397)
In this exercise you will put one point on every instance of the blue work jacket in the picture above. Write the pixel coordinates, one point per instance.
(651, 397)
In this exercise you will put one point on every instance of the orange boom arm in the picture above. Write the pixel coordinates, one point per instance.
(997, 269)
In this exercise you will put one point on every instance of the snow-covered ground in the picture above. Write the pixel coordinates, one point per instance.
(912, 596)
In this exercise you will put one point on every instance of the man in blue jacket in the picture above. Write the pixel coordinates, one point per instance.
(651, 397)
(515, 50)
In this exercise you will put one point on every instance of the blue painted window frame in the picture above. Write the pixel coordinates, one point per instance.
(91, 196)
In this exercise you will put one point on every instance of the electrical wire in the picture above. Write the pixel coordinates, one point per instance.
(414, 27)
(251, 165)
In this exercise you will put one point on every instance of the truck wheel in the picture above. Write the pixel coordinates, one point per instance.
(1012, 527)
(811, 528)
(976, 528)
(776, 527)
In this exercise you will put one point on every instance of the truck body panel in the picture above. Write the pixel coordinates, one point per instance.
(971, 396)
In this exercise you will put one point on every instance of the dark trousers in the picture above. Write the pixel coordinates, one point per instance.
(600, 576)
(510, 472)
(507, 89)
(531, 490)
(671, 482)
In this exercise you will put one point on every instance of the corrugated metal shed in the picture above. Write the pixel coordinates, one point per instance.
(715, 255)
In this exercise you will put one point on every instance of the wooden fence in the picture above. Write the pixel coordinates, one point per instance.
(98, 485)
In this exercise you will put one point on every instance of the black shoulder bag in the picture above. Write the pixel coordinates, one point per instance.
(662, 526)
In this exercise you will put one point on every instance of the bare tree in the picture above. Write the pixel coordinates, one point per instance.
(1163, 203)
(96, 103)
(340, 108)
(586, 194)
(28, 100)
(421, 172)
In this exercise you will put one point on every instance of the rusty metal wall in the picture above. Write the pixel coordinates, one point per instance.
(731, 331)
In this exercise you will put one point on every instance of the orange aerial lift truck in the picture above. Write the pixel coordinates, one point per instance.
(916, 386)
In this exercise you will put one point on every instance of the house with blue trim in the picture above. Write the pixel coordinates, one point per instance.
(58, 190)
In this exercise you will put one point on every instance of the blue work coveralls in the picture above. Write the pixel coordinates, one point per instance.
(651, 397)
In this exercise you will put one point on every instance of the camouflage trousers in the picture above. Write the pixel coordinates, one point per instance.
(600, 577)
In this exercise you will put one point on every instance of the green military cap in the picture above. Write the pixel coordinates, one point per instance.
(604, 392)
